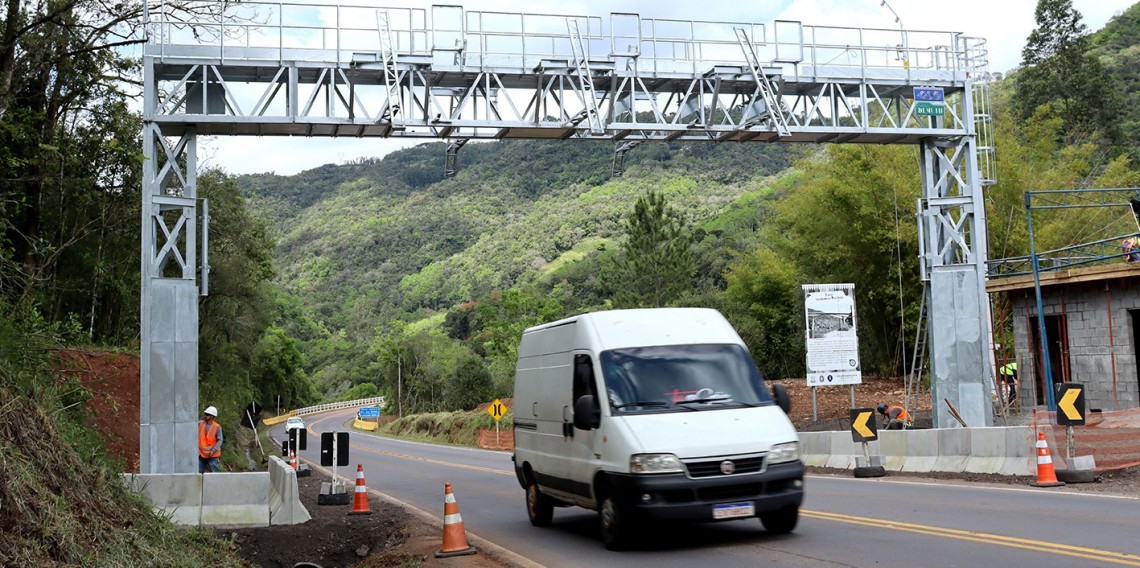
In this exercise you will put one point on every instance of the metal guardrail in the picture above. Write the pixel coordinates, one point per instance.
(338, 405)
(376, 400)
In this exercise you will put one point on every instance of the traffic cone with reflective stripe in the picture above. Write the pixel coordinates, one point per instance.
(360, 499)
(1046, 476)
(454, 537)
(293, 459)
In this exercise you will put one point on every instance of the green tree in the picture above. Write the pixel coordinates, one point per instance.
(362, 390)
(70, 156)
(848, 216)
(391, 355)
(1059, 72)
(655, 264)
(277, 370)
(242, 358)
(470, 385)
(500, 320)
(764, 304)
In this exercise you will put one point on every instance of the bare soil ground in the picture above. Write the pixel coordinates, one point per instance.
(833, 403)
(393, 536)
(113, 379)
(390, 536)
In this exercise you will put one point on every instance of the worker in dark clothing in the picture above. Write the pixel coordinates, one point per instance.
(896, 416)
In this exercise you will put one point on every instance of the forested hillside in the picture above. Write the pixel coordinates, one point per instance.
(365, 244)
(1117, 45)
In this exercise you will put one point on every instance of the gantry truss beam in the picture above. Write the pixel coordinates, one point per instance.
(483, 75)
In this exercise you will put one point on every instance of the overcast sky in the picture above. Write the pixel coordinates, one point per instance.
(1004, 24)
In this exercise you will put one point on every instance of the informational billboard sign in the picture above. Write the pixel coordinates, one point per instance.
(832, 343)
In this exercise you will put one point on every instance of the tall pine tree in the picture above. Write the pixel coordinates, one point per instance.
(655, 264)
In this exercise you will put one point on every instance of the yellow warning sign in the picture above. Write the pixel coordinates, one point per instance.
(497, 409)
(1071, 406)
(863, 426)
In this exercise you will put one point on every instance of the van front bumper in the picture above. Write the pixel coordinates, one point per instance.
(677, 497)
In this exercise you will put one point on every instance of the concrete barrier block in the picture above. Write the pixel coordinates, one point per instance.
(177, 495)
(953, 449)
(921, 450)
(285, 506)
(232, 500)
(1021, 451)
(893, 448)
(815, 447)
(987, 450)
(815, 442)
(842, 452)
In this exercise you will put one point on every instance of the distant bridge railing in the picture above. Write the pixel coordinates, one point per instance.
(376, 400)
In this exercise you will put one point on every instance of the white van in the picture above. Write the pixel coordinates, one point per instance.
(652, 414)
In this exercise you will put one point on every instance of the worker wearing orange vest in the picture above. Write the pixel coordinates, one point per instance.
(897, 417)
(209, 441)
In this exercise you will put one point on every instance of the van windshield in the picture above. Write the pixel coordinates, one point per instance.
(682, 378)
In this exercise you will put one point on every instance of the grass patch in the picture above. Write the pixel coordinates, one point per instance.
(459, 428)
(63, 507)
(580, 251)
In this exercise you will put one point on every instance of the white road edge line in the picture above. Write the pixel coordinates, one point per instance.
(979, 485)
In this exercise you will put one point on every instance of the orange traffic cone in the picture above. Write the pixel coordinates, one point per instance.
(454, 537)
(360, 499)
(293, 459)
(1046, 476)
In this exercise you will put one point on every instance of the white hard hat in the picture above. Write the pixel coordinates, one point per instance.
(211, 411)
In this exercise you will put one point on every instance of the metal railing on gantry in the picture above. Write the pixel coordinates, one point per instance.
(444, 72)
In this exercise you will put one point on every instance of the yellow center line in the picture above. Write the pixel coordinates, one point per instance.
(988, 538)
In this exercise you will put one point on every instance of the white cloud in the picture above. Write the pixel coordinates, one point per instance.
(1005, 25)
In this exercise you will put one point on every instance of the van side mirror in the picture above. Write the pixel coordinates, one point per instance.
(780, 393)
(587, 414)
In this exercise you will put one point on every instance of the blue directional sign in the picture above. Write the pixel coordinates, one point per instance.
(370, 412)
(929, 95)
(929, 101)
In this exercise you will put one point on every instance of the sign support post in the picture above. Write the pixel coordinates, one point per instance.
(1071, 412)
(497, 410)
(864, 429)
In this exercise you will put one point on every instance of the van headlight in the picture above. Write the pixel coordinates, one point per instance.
(783, 453)
(654, 463)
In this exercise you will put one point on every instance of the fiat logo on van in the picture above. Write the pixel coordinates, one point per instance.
(727, 467)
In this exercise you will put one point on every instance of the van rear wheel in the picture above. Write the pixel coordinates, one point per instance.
(539, 507)
(780, 521)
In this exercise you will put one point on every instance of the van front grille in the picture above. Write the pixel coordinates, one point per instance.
(716, 467)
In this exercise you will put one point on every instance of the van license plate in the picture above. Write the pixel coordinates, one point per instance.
(733, 510)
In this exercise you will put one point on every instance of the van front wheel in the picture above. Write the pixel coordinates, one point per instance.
(616, 533)
(781, 521)
(539, 507)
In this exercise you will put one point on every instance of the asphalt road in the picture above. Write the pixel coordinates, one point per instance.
(844, 521)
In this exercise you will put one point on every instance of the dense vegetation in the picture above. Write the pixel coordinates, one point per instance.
(383, 276)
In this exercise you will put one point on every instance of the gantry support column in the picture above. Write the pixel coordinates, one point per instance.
(168, 390)
(953, 240)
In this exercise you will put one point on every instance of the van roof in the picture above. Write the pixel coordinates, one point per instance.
(615, 329)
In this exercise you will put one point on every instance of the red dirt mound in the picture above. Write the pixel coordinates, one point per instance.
(113, 379)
